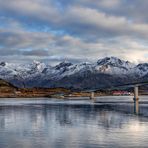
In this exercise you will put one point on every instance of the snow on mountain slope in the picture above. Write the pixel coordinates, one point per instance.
(141, 69)
(10, 70)
(113, 65)
(77, 69)
(36, 72)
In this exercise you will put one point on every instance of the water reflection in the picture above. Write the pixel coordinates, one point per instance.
(70, 126)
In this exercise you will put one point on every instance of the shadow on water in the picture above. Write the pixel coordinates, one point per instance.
(129, 108)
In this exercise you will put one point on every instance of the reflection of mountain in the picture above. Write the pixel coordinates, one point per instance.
(104, 72)
(65, 115)
(65, 125)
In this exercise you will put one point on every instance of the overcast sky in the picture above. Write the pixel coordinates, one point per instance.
(76, 30)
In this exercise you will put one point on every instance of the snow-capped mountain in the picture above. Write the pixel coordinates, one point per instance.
(104, 72)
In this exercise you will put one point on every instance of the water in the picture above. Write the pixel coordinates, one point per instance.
(44, 123)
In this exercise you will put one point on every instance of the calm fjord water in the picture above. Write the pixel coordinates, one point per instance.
(44, 123)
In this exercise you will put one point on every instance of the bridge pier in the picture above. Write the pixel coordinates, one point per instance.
(136, 100)
(92, 96)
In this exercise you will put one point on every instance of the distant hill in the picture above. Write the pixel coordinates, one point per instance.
(7, 89)
(4, 83)
(104, 72)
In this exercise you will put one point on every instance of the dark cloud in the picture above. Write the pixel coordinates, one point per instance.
(19, 39)
(40, 52)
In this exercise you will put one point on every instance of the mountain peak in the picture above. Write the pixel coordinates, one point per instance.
(36, 62)
(63, 64)
(3, 63)
(68, 74)
(114, 61)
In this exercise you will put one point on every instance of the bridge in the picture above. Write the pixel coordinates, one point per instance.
(135, 85)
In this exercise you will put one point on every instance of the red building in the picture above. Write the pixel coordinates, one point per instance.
(121, 93)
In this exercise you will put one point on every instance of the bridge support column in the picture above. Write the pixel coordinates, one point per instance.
(92, 96)
(136, 100)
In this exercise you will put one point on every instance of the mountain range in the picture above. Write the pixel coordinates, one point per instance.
(104, 72)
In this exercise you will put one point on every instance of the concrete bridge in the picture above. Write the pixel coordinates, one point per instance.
(135, 86)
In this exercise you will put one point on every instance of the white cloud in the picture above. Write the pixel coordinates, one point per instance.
(88, 29)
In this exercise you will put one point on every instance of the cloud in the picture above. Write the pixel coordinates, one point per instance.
(19, 39)
(45, 46)
(33, 8)
(109, 4)
(75, 19)
(38, 52)
(78, 30)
